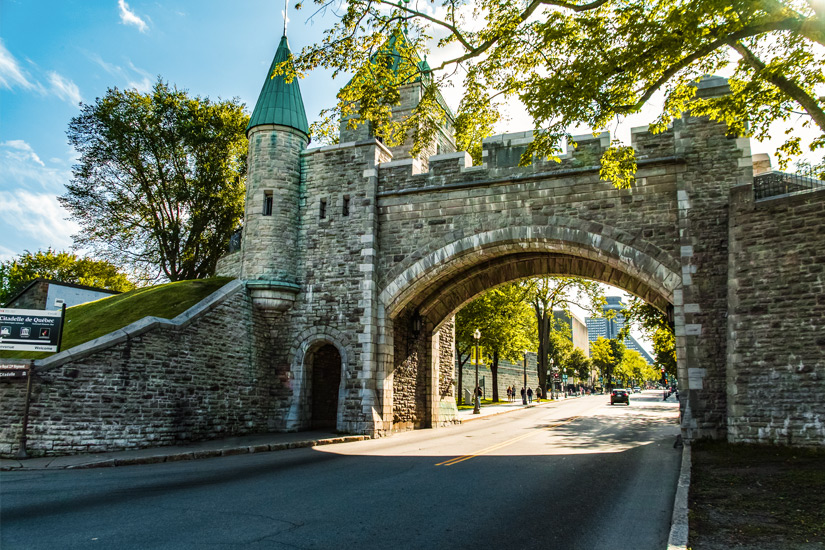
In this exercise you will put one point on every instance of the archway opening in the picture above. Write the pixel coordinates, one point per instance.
(434, 293)
(326, 379)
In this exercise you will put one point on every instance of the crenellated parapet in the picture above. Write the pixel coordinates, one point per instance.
(502, 154)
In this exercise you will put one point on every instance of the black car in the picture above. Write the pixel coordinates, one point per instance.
(620, 395)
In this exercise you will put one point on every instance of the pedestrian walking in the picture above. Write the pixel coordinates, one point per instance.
(523, 395)
(529, 395)
(538, 394)
(509, 394)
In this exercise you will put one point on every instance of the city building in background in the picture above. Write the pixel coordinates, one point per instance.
(580, 333)
(611, 324)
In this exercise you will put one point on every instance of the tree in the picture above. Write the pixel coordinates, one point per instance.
(578, 365)
(590, 62)
(633, 367)
(548, 293)
(656, 325)
(606, 355)
(506, 325)
(160, 183)
(64, 267)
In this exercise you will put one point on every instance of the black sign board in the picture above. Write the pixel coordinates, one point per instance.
(30, 329)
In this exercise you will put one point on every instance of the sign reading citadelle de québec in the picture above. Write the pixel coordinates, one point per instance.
(30, 329)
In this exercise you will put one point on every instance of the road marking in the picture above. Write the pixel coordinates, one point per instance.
(497, 446)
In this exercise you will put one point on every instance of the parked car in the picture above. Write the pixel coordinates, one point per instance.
(620, 395)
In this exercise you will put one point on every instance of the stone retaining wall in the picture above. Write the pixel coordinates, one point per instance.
(776, 319)
(204, 377)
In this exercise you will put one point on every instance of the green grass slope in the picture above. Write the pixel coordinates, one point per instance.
(94, 319)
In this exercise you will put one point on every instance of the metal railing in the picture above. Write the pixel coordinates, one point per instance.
(775, 184)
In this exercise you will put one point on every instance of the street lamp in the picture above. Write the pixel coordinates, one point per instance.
(552, 380)
(477, 405)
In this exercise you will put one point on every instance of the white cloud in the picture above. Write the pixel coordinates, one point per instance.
(31, 218)
(37, 219)
(64, 88)
(22, 168)
(128, 17)
(19, 150)
(145, 83)
(134, 77)
(11, 75)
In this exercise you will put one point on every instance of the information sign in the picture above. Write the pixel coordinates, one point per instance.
(16, 370)
(30, 329)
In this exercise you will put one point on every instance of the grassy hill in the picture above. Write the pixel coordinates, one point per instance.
(89, 321)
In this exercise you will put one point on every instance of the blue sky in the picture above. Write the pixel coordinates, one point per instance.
(55, 54)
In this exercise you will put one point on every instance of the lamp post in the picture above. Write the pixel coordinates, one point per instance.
(552, 379)
(477, 402)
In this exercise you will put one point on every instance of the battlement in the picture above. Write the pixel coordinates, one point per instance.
(502, 153)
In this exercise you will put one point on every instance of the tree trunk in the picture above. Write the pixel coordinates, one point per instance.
(494, 374)
(460, 366)
(543, 324)
(459, 399)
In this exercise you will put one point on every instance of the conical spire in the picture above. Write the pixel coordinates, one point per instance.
(279, 102)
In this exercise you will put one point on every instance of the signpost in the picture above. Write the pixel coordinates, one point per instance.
(28, 330)
(11, 369)
(31, 329)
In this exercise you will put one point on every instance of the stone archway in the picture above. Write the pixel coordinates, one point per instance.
(429, 291)
(323, 388)
(327, 349)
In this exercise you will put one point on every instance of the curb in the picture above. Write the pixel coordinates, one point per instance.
(197, 455)
(678, 538)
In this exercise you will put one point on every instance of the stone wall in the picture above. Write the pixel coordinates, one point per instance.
(35, 297)
(509, 374)
(202, 377)
(776, 320)
(269, 246)
(336, 255)
(229, 265)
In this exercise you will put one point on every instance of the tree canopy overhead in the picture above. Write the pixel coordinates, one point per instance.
(160, 182)
(582, 62)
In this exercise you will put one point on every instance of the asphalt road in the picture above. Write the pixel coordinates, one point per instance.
(579, 474)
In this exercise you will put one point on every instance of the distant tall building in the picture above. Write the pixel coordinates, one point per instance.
(580, 333)
(609, 328)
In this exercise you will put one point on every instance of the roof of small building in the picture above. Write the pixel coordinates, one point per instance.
(41, 280)
(280, 102)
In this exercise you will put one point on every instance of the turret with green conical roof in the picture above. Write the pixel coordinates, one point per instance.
(278, 133)
(280, 102)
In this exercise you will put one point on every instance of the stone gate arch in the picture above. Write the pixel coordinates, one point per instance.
(421, 297)
(301, 354)
(606, 254)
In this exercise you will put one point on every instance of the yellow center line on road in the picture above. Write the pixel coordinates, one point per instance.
(497, 446)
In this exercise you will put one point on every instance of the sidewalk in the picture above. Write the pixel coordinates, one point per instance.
(260, 443)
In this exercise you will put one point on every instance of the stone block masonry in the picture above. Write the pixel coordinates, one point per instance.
(203, 377)
(776, 321)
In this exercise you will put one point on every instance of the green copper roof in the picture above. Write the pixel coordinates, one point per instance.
(279, 102)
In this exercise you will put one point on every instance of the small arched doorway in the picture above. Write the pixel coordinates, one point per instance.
(326, 379)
